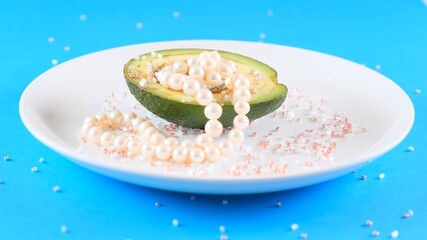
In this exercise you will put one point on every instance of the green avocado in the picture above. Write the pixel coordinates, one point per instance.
(176, 107)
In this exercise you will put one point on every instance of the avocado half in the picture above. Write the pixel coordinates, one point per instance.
(176, 107)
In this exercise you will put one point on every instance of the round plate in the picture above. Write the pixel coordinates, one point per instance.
(55, 104)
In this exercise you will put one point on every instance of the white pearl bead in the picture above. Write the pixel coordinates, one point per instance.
(137, 121)
(215, 55)
(94, 134)
(144, 125)
(197, 155)
(236, 136)
(203, 54)
(176, 81)
(208, 63)
(226, 147)
(86, 127)
(103, 119)
(180, 67)
(213, 78)
(92, 120)
(171, 141)
(231, 64)
(134, 147)
(128, 118)
(148, 132)
(203, 140)
(120, 142)
(148, 150)
(204, 97)
(157, 138)
(191, 61)
(179, 154)
(225, 69)
(241, 107)
(242, 93)
(242, 82)
(229, 82)
(188, 144)
(196, 72)
(116, 117)
(191, 87)
(214, 128)
(163, 78)
(107, 139)
(241, 121)
(163, 152)
(213, 111)
(212, 153)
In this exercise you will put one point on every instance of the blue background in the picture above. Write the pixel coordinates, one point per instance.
(389, 36)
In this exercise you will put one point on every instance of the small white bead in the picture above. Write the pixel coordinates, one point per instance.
(242, 107)
(56, 189)
(203, 140)
(236, 136)
(163, 152)
(294, 226)
(116, 117)
(226, 147)
(188, 144)
(197, 155)
(204, 97)
(214, 128)
(34, 169)
(191, 61)
(163, 77)
(148, 132)
(208, 63)
(226, 69)
(103, 119)
(91, 120)
(143, 126)
(213, 111)
(394, 234)
(64, 229)
(180, 154)
(241, 121)
(229, 82)
(86, 127)
(175, 222)
(212, 153)
(242, 82)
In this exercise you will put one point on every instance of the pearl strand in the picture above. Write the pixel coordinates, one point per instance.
(113, 131)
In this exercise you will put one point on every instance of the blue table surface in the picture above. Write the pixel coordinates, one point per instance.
(389, 36)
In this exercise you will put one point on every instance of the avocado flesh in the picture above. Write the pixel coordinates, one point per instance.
(168, 104)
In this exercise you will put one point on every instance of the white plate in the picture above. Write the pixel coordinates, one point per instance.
(54, 105)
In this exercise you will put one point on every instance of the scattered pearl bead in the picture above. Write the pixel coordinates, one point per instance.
(212, 153)
(417, 91)
(128, 118)
(196, 72)
(213, 111)
(148, 150)
(242, 82)
(197, 155)
(303, 235)
(64, 229)
(214, 128)
(222, 229)
(191, 87)
(116, 117)
(208, 63)
(179, 154)
(56, 189)
(191, 61)
(34, 169)
(375, 233)
(213, 78)
(6, 158)
(94, 134)
(369, 223)
(41, 160)
(157, 204)
(411, 149)
(176, 81)
(180, 67)
(163, 152)
(226, 69)
(203, 140)
(381, 176)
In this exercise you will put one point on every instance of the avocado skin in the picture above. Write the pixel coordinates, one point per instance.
(194, 117)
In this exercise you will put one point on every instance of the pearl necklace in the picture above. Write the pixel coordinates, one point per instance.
(131, 136)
